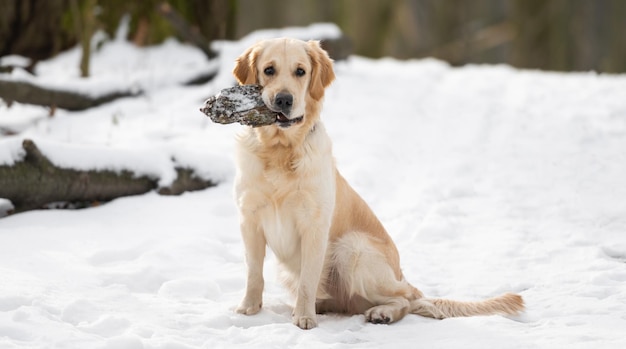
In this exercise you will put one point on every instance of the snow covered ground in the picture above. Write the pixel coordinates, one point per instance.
(488, 178)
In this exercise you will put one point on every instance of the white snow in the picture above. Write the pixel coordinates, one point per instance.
(241, 101)
(15, 61)
(489, 179)
(119, 66)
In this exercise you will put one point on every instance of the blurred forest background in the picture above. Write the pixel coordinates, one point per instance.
(563, 35)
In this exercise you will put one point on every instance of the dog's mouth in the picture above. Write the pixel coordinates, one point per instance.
(285, 122)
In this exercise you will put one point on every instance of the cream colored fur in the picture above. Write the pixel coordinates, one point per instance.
(335, 254)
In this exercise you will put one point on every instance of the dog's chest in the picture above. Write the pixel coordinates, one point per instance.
(281, 213)
(287, 194)
(281, 234)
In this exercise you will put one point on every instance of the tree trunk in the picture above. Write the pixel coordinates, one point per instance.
(34, 28)
(35, 182)
(85, 26)
(25, 92)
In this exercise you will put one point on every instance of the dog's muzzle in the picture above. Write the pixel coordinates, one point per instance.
(283, 103)
(282, 106)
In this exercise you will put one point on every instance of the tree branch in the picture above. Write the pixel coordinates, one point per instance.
(182, 27)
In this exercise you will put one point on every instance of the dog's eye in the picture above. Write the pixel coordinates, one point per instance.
(300, 72)
(269, 71)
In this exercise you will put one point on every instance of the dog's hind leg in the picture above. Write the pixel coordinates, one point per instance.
(365, 281)
(392, 310)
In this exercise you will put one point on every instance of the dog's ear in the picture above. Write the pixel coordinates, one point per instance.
(322, 66)
(245, 66)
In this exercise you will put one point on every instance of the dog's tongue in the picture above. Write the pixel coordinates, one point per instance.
(282, 118)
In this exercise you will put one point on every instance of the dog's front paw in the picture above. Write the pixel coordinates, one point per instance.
(304, 322)
(248, 307)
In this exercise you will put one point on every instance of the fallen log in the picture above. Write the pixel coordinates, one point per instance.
(35, 182)
(28, 93)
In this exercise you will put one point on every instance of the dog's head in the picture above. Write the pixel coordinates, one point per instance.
(293, 73)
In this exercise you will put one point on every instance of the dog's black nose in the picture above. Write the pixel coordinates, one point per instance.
(283, 102)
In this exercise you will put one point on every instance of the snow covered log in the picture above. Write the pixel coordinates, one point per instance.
(242, 104)
(25, 92)
(35, 182)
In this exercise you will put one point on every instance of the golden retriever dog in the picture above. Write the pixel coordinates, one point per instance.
(335, 255)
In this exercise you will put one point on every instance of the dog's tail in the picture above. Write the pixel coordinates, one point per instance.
(506, 304)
